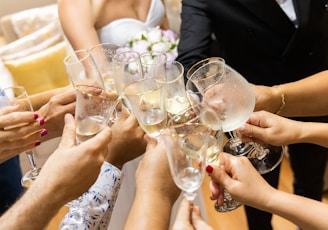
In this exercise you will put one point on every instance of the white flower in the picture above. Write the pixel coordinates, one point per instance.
(161, 47)
(155, 35)
(155, 39)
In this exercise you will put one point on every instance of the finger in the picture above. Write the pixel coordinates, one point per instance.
(184, 211)
(98, 144)
(16, 118)
(197, 220)
(252, 131)
(68, 137)
(9, 109)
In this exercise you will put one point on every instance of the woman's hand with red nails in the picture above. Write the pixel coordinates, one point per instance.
(54, 111)
(238, 176)
(19, 131)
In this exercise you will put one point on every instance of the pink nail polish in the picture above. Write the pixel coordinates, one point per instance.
(44, 132)
(41, 121)
(37, 143)
(36, 116)
(209, 169)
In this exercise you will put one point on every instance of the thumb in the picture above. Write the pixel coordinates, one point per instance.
(68, 137)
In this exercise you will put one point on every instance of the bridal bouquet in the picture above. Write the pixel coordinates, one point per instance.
(156, 39)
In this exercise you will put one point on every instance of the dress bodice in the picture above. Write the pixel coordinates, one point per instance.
(122, 30)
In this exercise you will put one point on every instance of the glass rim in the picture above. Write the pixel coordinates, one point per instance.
(208, 60)
(76, 59)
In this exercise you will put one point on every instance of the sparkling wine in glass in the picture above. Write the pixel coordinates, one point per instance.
(186, 146)
(147, 103)
(18, 95)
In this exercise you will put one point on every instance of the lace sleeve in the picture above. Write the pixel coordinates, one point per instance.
(94, 208)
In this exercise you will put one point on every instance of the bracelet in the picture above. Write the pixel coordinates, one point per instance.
(282, 95)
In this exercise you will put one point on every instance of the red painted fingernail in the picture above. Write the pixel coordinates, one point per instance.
(44, 132)
(41, 121)
(209, 169)
(37, 143)
(36, 116)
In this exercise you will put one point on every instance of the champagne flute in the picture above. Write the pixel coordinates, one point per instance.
(147, 103)
(186, 145)
(18, 95)
(103, 54)
(198, 112)
(128, 69)
(93, 111)
(82, 70)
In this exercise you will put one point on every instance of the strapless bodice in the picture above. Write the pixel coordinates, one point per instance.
(122, 30)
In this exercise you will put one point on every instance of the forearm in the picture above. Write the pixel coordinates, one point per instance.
(303, 212)
(306, 97)
(40, 99)
(149, 211)
(313, 132)
(32, 211)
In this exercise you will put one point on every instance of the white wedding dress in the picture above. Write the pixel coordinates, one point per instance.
(120, 32)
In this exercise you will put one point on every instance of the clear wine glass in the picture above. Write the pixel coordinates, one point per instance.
(128, 69)
(186, 145)
(227, 92)
(82, 69)
(103, 54)
(93, 112)
(146, 98)
(18, 95)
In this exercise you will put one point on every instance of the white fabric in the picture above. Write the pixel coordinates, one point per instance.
(288, 7)
(93, 210)
(122, 30)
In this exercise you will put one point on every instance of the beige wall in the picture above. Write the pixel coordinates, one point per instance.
(11, 6)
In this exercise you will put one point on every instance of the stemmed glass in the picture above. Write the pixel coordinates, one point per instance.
(128, 69)
(82, 69)
(93, 111)
(18, 95)
(186, 145)
(145, 97)
(227, 92)
(213, 82)
(103, 54)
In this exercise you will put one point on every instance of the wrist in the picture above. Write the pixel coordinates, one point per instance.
(279, 94)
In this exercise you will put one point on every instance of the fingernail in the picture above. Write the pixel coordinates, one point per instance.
(37, 143)
(44, 132)
(36, 116)
(41, 121)
(242, 128)
(209, 169)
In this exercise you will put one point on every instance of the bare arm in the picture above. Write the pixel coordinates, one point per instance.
(306, 97)
(54, 186)
(78, 23)
(265, 127)
(156, 192)
(238, 175)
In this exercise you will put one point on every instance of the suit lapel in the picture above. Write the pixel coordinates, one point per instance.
(302, 10)
(270, 13)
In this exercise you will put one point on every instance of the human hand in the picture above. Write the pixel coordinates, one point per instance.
(266, 98)
(15, 140)
(55, 110)
(153, 173)
(71, 169)
(264, 127)
(128, 140)
(238, 176)
(189, 217)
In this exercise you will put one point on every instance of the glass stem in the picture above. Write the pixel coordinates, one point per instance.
(261, 152)
(190, 196)
(30, 157)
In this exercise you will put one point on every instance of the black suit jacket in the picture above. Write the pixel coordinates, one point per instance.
(256, 37)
